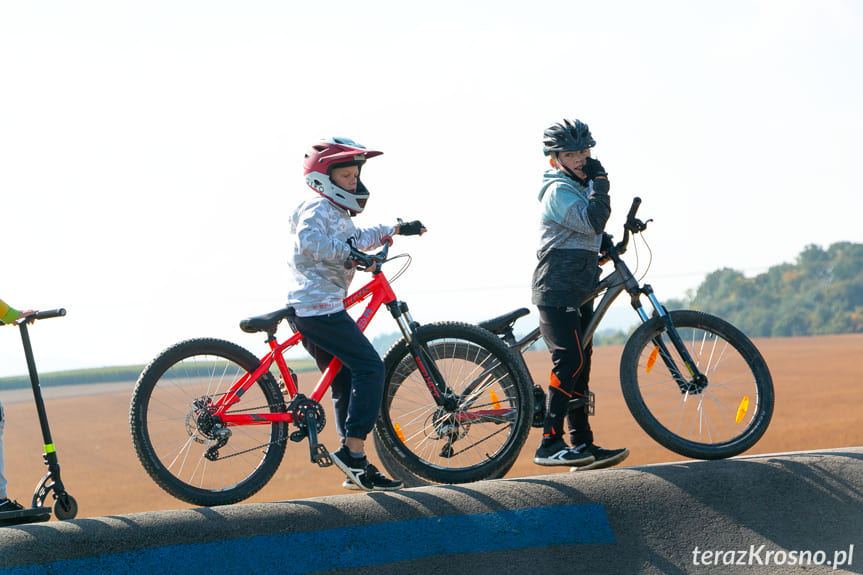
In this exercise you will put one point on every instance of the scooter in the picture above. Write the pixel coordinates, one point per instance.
(65, 507)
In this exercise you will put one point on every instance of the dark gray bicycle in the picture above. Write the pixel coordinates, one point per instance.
(695, 383)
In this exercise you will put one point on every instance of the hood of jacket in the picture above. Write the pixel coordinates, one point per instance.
(552, 177)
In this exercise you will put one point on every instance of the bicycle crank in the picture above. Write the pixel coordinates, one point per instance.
(310, 419)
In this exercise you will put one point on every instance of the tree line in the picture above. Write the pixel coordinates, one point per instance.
(821, 293)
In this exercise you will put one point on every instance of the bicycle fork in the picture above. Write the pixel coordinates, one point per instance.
(698, 380)
(425, 363)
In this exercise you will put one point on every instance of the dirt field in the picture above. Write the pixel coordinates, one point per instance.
(819, 394)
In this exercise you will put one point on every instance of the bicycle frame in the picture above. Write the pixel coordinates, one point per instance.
(381, 294)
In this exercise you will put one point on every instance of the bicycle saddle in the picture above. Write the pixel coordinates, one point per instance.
(267, 322)
(498, 325)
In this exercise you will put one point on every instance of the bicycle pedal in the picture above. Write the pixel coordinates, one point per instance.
(585, 402)
(539, 399)
(298, 436)
(320, 455)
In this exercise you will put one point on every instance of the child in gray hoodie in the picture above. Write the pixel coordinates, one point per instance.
(575, 209)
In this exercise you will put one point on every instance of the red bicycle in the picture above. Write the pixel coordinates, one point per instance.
(209, 421)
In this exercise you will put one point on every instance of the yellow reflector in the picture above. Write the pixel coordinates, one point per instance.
(651, 361)
(741, 409)
(399, 432)
(495, 401)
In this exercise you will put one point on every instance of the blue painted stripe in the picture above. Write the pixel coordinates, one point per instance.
(375, 544)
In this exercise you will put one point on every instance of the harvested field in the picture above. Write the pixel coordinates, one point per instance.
(819, 394)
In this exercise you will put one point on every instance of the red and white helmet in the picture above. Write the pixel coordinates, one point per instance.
(336, 153)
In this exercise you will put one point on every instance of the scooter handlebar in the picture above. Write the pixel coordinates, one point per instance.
(49, 313)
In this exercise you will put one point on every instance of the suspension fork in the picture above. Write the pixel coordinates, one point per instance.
(425, 362)
(697, 377)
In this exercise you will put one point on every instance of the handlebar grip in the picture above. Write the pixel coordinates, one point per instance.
(636, 201)
(49, 313)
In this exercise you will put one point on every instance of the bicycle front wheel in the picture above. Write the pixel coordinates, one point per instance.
(720, 416)
(187, 453)
(483, 419)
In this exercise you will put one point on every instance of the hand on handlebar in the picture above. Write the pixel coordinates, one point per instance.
(604, 248)
(27, 316)
(359, 259)
(364, 261)
(31, 315)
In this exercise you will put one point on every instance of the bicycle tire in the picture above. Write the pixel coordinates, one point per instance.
(171, 444)
(394, 468)
(723, 418)
(441, 445)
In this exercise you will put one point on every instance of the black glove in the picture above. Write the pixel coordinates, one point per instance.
(360, 258)
(592, 169)
(413, 228)
(356, 257)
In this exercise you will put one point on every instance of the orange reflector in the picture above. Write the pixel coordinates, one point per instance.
(741, 409)
(399, 432)
(495, 401)
(651, 361)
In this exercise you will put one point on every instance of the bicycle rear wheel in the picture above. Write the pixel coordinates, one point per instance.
(177, 443)
(484, 422)
(717, 418)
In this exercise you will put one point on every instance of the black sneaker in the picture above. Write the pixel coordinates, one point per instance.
(348, 484)
(559, 453)
(9, 505)
(374, 480)
(354, 467)
(378, 481)
(602, 457)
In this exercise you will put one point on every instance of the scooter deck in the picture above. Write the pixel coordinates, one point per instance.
(28, 515)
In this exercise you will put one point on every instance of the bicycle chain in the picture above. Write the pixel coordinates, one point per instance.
(283, 440)
(475, 443)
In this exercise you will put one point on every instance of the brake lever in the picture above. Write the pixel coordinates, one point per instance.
(636, 226)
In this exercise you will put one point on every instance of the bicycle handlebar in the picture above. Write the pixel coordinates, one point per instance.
(636, 201)
(373, 259)
(632, 224)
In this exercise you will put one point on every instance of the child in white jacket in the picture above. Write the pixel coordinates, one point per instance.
(325, 239)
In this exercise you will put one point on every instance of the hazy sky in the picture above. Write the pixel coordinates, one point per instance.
(151, 152)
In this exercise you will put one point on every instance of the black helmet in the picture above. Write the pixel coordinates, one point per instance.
(571, 136)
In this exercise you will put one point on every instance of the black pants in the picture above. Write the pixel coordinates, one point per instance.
(358, 388)
(563, 332)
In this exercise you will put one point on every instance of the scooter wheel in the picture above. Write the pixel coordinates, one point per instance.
(65, 507)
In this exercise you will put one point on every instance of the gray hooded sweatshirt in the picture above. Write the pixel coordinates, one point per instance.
(572, 220)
